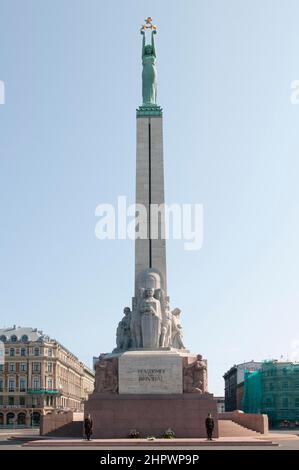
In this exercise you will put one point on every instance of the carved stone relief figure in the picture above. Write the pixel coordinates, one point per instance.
(151, 319)
(123, 332)
(106, 379)
(177, 332)
(195, 376)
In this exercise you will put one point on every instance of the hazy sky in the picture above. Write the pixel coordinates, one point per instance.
(72, 73)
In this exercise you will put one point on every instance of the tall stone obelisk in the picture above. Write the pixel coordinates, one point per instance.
(150, 253)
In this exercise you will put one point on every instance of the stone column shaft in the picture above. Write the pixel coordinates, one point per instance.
(150, 253)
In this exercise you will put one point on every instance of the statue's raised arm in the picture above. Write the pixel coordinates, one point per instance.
(143, 42)
(153, 42)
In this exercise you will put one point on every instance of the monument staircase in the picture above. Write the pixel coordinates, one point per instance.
(227, 428)
(73, 429)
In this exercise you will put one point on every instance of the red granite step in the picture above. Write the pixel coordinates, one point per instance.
(228, 428)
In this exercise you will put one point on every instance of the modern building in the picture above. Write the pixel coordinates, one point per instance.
(38, 375)
(273, 390)
(234, 384)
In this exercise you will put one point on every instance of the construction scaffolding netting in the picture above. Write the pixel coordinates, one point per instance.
(252, 392)
(273, 390)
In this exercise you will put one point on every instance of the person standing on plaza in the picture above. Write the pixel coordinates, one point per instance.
(88, 427)
(209, 426)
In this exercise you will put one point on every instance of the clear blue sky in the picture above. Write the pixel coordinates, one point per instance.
(72, 72)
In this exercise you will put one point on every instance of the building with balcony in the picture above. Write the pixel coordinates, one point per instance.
(38, 375)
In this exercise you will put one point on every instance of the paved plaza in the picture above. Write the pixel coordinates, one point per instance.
(29, 440)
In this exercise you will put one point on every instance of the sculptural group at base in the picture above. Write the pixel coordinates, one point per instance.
(150, 323)
(150, 382)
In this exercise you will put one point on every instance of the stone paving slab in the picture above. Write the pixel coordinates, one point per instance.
(281, 436)
(233, 441)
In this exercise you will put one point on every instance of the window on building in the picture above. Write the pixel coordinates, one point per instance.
(11, 385)
(36, 351)
(12, 352)
(13, 339)
(1, 367)
(24, 338)
(297, 402)
(23, 352)
(50, 352)
(22, 401)
(11, 401)
(12, 367)
(285, 402)
(22, 384)
(1, 385)
(3, 338)
(271, 386)
(285, 385)
(50, 367)
(36, 367)
(297, 385)
(23, 366)
(36, 383)
(1, 402)
(50, 384)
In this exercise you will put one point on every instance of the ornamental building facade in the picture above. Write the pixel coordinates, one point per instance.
(37, 376)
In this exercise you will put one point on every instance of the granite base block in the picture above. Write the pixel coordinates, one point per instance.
(114, 415)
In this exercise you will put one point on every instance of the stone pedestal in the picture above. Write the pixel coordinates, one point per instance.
(151, 391)
(151, 415)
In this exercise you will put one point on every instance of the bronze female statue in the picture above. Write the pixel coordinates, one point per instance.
(149, 71)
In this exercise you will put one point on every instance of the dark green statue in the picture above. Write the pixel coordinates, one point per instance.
(149, 71)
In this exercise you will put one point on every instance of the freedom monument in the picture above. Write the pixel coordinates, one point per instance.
(150, 382)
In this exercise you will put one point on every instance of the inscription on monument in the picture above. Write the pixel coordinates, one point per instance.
(150, 373)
